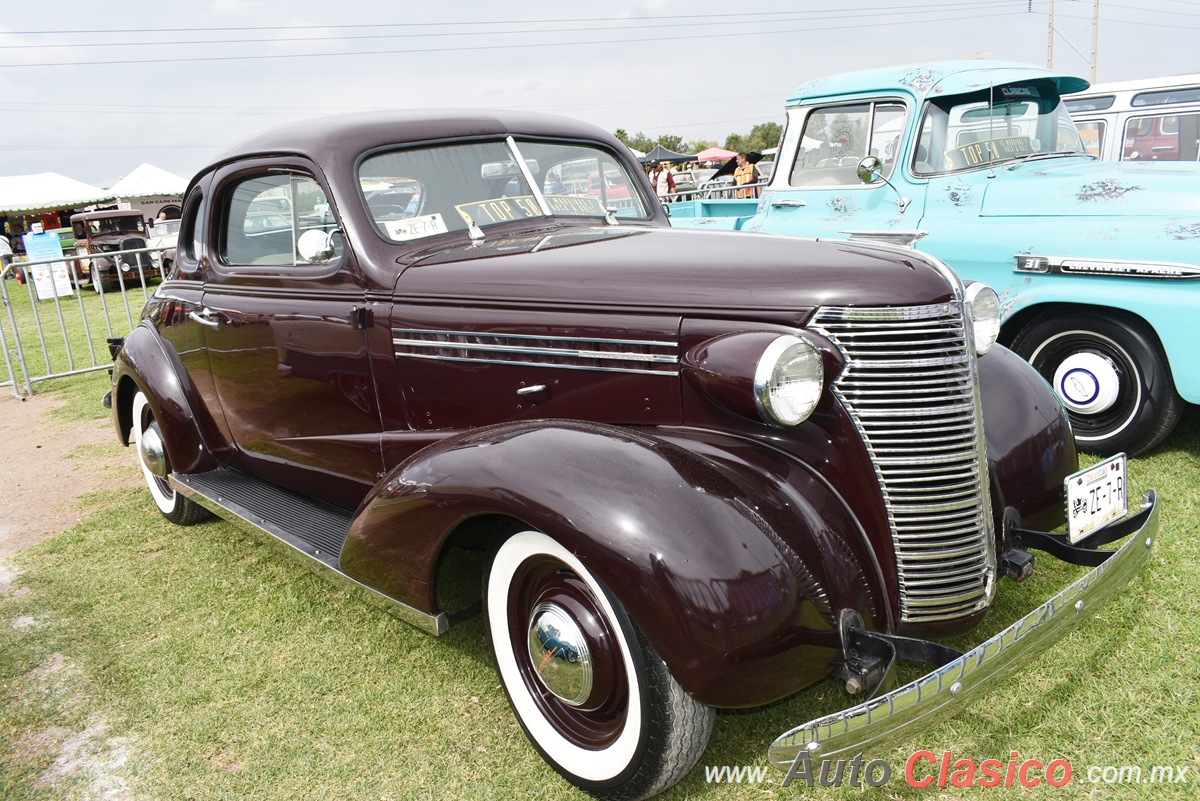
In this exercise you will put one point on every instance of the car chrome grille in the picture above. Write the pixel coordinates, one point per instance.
(910, 387)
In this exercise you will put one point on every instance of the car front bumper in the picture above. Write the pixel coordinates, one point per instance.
(947, 690)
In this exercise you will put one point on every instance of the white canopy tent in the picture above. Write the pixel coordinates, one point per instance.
(47, 191)
(149, 181)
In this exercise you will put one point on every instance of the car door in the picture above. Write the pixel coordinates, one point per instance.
(286, 338)
(819, 193)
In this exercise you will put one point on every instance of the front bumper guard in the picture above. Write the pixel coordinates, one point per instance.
(944, 691)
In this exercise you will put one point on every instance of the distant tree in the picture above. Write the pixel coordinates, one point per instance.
(622, 136)
(639, 141)
(699, 145)
(671, 142)
(760, 138)
(763, 136)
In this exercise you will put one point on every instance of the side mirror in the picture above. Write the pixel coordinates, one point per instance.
(316, 246)
(870, 169)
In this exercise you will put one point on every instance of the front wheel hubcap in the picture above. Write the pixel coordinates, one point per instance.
(559, 652)
(1087, 383)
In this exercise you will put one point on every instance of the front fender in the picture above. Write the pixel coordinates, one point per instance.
(1030, 447)
(145, 363)
(737, 588)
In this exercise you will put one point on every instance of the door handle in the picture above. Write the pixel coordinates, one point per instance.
(531, 390)
(787, 203)
(204, 318)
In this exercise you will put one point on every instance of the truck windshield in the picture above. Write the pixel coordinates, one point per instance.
(1013, 122)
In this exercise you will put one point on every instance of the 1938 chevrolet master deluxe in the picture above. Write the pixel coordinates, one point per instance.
(702, 479)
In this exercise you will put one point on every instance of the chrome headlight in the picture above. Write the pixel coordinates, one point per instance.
(788, 381)
(985, 315)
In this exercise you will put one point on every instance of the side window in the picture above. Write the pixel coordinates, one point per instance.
(189, 228)
(1166, 137)
(266, 215)
(1092, 134)
(835, 139)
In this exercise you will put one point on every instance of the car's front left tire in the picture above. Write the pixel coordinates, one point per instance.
(586, 686)
(148, 442)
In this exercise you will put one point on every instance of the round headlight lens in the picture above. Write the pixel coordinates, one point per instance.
(788, 381)
(985, 312)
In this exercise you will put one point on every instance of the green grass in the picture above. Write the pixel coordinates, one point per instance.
(110, 315)
(209, 667)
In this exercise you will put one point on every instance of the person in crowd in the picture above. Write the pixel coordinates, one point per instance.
(746, 173)
(662, 179)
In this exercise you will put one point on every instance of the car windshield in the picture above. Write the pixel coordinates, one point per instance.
(113, 225)
(421, 192)
(165, 228)
(962, 132)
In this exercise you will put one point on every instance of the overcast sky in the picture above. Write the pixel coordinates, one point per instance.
(93, 89)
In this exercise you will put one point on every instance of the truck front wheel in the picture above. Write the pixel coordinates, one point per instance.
(587, 687)
(1111, 374)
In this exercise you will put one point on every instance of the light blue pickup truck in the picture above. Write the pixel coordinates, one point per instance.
(1097, 264)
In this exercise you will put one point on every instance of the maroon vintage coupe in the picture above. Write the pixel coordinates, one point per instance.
(708, 468)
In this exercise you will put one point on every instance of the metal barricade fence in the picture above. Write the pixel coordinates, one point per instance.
(81, 317)
(717, 190)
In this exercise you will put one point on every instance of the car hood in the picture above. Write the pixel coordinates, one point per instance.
(1082, 187)
(681, 270)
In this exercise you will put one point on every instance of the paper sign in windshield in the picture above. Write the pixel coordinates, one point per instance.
(416, 227)
(976, 153)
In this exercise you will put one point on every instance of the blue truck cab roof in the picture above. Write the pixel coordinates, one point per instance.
(931, 78)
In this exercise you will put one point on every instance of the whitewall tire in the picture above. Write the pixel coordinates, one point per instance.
(586, 686)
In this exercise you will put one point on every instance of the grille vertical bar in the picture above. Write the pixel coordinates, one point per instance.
(910, 387)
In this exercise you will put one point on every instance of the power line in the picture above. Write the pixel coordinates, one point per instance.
(131, 108)
(490, 23)
(476, 48)
(737, 19)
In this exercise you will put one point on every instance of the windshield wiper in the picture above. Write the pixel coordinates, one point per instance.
(1052, 155)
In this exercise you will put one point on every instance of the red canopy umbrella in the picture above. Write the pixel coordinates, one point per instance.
(714, 154)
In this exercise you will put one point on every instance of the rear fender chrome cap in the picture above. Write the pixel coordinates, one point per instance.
(152, 452)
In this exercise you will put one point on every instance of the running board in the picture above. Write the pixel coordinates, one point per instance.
(310, 532)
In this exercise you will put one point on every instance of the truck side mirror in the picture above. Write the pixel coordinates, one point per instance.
(870, 171)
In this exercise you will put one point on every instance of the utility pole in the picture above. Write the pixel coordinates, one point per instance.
(1050, 40)
(1095, 36)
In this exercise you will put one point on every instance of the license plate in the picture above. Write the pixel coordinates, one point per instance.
(1095, 496)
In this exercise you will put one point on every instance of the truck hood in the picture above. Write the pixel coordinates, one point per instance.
(1079, 187)
(680, 270)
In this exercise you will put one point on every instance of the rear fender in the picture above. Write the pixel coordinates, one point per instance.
(737, 585)
(145, 363)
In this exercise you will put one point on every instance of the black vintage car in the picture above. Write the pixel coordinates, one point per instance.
(708, 469)
(102, 239)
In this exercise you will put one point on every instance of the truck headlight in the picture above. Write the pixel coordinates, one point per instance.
(788, 381)
(985, 315)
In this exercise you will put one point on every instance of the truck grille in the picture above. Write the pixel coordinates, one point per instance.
(909, 385)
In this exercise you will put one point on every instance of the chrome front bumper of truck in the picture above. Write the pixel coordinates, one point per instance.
(946, 690)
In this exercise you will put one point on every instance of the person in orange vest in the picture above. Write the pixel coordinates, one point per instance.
(746, 173)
